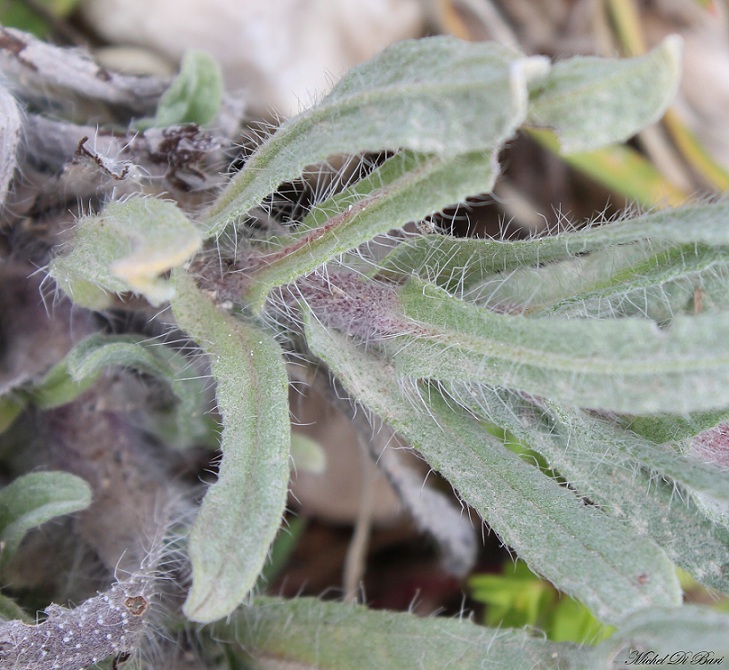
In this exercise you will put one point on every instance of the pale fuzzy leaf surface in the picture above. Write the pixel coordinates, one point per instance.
(437, 95)
(592, 456)
(126, 248)
(336, 636)
(626, 365)
(408, 187)
(10, 128)
(591, 102)
(309, 634)
(663, 459)
(242, 511)
(690, 636)
(195, 94)
(35, 498)
(646, 279)
(463, 263)
(585, 553)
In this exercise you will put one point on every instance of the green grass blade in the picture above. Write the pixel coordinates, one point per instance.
(242, 511)
(620, 168)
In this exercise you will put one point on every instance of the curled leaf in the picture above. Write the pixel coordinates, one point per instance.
(127, 247)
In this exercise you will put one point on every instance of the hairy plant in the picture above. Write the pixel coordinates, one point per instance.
(604, 349)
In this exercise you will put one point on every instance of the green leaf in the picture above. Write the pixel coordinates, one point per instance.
(58, 387)
(126, 248)
(35, 498)
(408, 187)
(688, 635)
(87, 359)
(195, 94)
(436, 95)
(649, 279)
(592, 102)
(310, 634)
(337, 636)
(592, 456)
(242, 511)
(307, 454)
(11, 406)
(463, 263)
(571, 621)
(582, 551)
(18, 14)
(666, 428)
(626, 365)
(519, 598)
(84, 363)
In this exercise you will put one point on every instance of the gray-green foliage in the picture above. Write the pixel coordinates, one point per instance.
(446, 339)
(318, 635)
(33, 499)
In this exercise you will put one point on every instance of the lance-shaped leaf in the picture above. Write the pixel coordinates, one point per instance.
(242, 511)
(337, 636)
(126, 248)
(582, 551)
(35, 498)
(623, 365)
(647, 279)
(437, 95)
(464, 262)
(593, 457)
(408, 187)
(592, 102)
